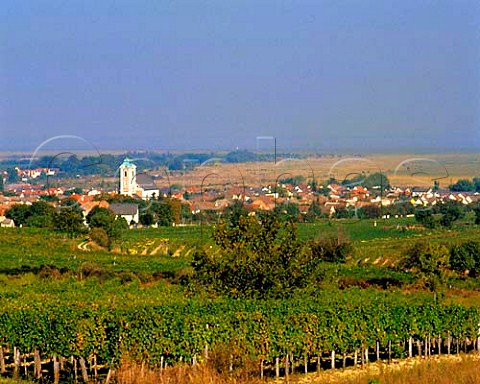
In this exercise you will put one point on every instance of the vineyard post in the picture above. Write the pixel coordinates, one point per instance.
(378, 350)
(425, 342)
(389, 351)
(344, 364)
(277, 367)
(305, 361)
(56, 370)
(333, 359)
(419, 348)
(449, 343)
(75, 369)
(366, 355)
(16, 361)
(37, 365)
(261, 368)
(286, 367)
(206, 347)
(161, 363)
(95, 371)
(355, 358)
(109, 376)
(439, 345)
(2, 360)
(319, 362)
(83, 368)
(410, 347)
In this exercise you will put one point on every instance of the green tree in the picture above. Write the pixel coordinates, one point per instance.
(146, 219)
(425, 217)
(100, 217)
(476, 210)
(70, 221)
(19, 213)
(429, 260)
(462, 185)
(451, 212)
(465, 257)
(256, 258)
(234, 212)
(314, 212)
(287, 211)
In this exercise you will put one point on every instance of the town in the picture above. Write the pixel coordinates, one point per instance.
(201, 195)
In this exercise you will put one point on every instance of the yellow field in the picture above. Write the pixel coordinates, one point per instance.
(404, 170)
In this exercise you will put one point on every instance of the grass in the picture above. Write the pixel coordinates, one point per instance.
(462, 369)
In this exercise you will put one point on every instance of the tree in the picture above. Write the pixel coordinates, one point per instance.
(425, 217)
(465, 257)
(100, 217)
(429, 260)
(314, 212)
(476, 210)
(256, 258)
(287, 211)
(19, 213)
(370, 211)
(451, 212)
(70, 221)
(376, 180)
(234, 212)
(146, 219)
(462, 185)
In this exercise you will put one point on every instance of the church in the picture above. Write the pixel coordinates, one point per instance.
(131, 184)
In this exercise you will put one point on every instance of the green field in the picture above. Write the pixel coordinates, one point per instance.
(72, 301)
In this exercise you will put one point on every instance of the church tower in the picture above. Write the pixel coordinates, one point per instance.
(128, 183)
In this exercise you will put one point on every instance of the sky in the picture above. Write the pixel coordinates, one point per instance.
(326, 76)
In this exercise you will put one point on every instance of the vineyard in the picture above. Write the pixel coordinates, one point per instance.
(71, 315)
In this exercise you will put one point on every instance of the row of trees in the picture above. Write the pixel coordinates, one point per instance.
(465, 185)
(445, 214)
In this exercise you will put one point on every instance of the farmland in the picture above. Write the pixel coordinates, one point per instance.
(89, 299)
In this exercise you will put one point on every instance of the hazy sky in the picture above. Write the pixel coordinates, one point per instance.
(326, 75)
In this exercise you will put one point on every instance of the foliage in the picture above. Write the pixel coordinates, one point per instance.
(234, 211)
(70, 221)
(333, 249)
(451, 211)
(40, 214)
(428, 259)
(370, 211)
(375, 180)
(476, 210)
(258, 257)
(100, 236)
(287, 211)
(463, 185)
(425, 217)
(314, 212)
(465, 257)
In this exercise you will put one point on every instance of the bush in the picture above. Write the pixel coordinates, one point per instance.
(465, 257)
(333, 250)
(100, 236)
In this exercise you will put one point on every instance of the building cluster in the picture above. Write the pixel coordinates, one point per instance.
(329, 199)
